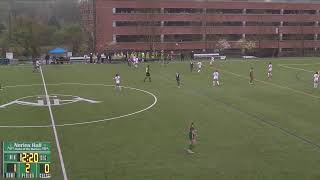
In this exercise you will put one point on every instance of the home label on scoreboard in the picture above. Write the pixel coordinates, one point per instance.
(26, 159)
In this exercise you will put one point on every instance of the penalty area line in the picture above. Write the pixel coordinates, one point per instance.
(299, 69)
(54, 127)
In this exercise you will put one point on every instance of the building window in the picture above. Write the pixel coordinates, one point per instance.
(182, 23)
(298, 36)
(224, 11)
(217, 37)
(137, 10)
(182, 37)
(182, 10)
(137, 23)
(298, 23)
(262, 23)
(259, 37)
(138, 38)
(263, 11)
(299, 12)
(232, 23)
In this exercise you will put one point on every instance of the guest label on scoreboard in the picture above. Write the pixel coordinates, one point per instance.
(26, 159)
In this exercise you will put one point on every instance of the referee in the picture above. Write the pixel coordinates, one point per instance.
(148, 76)
(178, 79)
(192, 138)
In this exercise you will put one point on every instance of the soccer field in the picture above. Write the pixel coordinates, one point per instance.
(265, 131)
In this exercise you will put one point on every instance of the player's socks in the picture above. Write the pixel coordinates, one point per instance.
(218, 83)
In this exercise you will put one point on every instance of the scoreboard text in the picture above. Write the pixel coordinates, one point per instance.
(26, 159)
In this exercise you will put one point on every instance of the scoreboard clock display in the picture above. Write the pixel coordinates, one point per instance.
(26, 159)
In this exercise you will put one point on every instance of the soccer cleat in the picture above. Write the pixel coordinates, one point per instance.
(189, 151)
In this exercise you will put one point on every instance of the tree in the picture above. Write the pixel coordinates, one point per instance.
(68, 11)
(54, 22)
(2, 27)
(246, 45)
(222, 44)
(149, 28)
(73, 37)
(28, 37)
(26, 34)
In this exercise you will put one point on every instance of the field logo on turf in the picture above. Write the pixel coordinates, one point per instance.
(55, 100)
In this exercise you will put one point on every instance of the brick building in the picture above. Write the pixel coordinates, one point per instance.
(199, 25)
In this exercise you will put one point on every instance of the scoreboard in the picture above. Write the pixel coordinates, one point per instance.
(26, 159)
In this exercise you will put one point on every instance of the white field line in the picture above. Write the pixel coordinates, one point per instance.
(54, 127)
(299, 64)
(86, 122)
(299, 69)
(272, 84)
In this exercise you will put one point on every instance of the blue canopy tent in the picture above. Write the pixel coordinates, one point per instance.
(61, 53)
(57, 51)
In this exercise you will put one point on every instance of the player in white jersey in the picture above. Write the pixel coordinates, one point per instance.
(199, 66)
(211, 61)
(215, 76)
(316, 79)
(135, 61)
(36, 66)
(269, 70)
(117, 82)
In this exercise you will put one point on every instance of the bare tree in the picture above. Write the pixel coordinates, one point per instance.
(151, 29)
(246, 45)
(222, 44)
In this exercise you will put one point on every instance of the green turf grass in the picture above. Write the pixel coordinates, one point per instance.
(266, 131)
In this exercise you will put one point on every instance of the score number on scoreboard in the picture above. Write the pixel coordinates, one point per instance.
(26, 159)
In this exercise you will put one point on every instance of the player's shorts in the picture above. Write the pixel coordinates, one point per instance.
(316, 80)
(148, 74)
(215, 78)
(117, 83)
(270, 70)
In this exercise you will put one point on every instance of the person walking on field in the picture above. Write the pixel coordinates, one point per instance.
(148, 76)
(191, 65)
(316, 79)
(192, 138)
(117, 82)
(178, 79)
(251, 76)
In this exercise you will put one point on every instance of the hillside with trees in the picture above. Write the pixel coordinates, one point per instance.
(30, 27)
